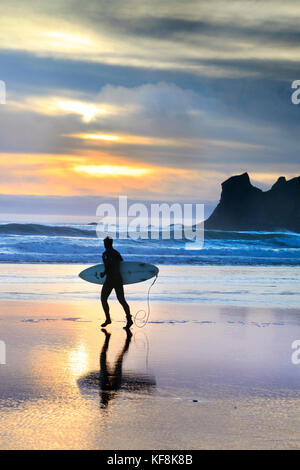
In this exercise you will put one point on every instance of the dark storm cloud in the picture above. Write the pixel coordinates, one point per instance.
(173, 28)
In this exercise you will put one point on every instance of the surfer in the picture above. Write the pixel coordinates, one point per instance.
(112, 259)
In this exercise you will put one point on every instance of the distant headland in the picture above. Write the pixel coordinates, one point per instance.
(244, 207)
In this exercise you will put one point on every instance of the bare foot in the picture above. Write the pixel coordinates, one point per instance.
(129, 323)
(107, 322)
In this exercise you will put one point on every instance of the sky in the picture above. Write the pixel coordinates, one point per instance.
(155, 100)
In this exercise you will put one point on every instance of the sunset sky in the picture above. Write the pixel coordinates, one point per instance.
(156, 100)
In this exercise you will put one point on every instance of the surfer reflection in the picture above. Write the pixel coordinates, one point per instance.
(112, 259)
(109, 380)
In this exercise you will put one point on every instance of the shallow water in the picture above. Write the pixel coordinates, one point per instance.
(252, 286)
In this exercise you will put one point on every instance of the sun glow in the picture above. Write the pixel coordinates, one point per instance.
(111, 170)
(124, 139)
(78, 361)
(110, 138)
(58, 105)
(87, 111)
(68, 40)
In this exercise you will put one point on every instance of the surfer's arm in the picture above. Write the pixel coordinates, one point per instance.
(105, 267)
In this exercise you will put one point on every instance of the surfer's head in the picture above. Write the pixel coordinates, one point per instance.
(108, 242)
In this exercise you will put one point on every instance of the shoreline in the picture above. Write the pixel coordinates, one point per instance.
(249, 286)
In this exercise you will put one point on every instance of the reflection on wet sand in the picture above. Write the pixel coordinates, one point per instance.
(109, 380)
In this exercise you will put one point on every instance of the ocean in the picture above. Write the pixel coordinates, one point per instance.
(71, 243)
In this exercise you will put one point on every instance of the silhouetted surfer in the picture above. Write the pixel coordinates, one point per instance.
(112, 259)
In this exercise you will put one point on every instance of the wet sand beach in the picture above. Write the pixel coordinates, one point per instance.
(196, 377)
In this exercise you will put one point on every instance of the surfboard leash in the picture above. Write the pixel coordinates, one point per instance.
(145, 314)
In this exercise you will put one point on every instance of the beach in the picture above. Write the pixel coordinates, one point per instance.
(212, 369)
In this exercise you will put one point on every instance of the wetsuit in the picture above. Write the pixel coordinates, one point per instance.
(112, 259)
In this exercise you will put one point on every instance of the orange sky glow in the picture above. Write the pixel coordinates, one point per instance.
(80, 175)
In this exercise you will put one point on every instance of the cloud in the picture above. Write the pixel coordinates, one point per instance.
(158, 124)
(191, 37)
(158, 116)
(197, 89)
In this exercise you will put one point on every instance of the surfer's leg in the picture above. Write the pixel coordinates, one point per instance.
(105, 293)
(121, 298)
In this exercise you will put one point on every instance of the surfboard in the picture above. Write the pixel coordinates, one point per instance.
(131, 272)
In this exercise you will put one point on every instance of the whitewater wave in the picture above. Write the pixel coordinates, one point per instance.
(45, 243)
(47, 230)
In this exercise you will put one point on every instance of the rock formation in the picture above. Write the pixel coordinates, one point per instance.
(244, 207)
